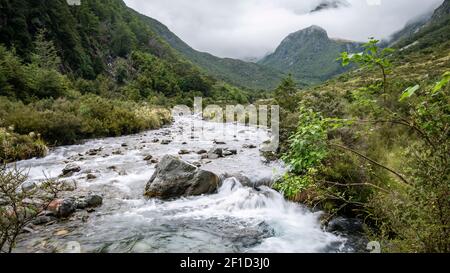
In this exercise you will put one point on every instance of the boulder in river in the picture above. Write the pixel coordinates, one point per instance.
(148, 158)
(70, 169)
(90, 201)
(63, 208)
(215, 153)
(166, 142)
(175, 178)
(249, 146)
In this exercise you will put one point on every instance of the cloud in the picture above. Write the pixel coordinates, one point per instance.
(253, 28)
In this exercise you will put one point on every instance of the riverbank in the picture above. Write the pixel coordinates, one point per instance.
(239, 217)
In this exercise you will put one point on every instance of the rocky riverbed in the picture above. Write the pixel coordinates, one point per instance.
(119, 199)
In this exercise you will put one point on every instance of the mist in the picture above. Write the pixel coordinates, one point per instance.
(253, 28)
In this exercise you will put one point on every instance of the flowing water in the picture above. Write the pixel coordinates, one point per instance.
(235, 219)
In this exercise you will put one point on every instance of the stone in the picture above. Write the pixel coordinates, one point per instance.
(44, 220)
(213, 156)
(218, 142)
(28, 186)
(68, 185)
(148, 158)
(90, 201)
(215, 153)
(166, 142)
(249, 146)
(91, 176)
(345, 225)
(200, 152)
(184, 152)
(176, 178)
(70, 169)
(154, 161)
(63, 208)
(94, 200)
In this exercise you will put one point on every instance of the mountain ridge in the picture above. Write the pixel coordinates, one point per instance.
(309, 55)
(241, 73)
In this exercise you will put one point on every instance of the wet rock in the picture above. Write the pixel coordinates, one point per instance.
(215, 153)
(117, 152)
(124, 145)
(28, 186)
(197, 164)
(63, 208)
(227, 153)
(91, 176)
(249, 146)
(154, 161)
(70, 169)
(44, 220)
(184, 152)
(175, 178)
(345, 225)
(94, 152)
(200, 152)
(166, 142)
(213, 156)
(244, 180)
(148, 158)
(62, 232)
(94, 201)
(155, 140)
(69, 185)
(112, 168)
(204, 156)
(184, 143)
(218, 142)
(90, 201)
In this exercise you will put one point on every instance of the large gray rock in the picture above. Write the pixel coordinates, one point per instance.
(175, 178)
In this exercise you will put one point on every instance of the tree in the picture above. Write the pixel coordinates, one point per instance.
(21, 205)
(45, 54)
(285, 94)
(372, 56)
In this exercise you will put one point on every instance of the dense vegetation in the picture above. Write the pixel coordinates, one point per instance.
(374, 144)
(74, 72)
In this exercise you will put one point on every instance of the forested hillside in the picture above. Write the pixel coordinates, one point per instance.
(74, 72)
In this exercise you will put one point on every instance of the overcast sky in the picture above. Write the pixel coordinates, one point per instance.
(253, 28)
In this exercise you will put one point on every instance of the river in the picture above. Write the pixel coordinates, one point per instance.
(235, 219)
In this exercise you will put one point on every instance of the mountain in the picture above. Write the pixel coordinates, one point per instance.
(330, 4)
(411, 28)
(434, 31)
(237, 72)
(309, 55)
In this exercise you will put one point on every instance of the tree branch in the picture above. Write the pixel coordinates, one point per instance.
(373, 162)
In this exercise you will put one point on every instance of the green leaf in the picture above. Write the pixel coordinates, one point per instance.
(409, 92)
(441, 84)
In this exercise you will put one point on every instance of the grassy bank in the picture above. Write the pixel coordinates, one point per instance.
(374, 148)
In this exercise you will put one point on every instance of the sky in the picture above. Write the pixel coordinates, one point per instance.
(253, 28)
